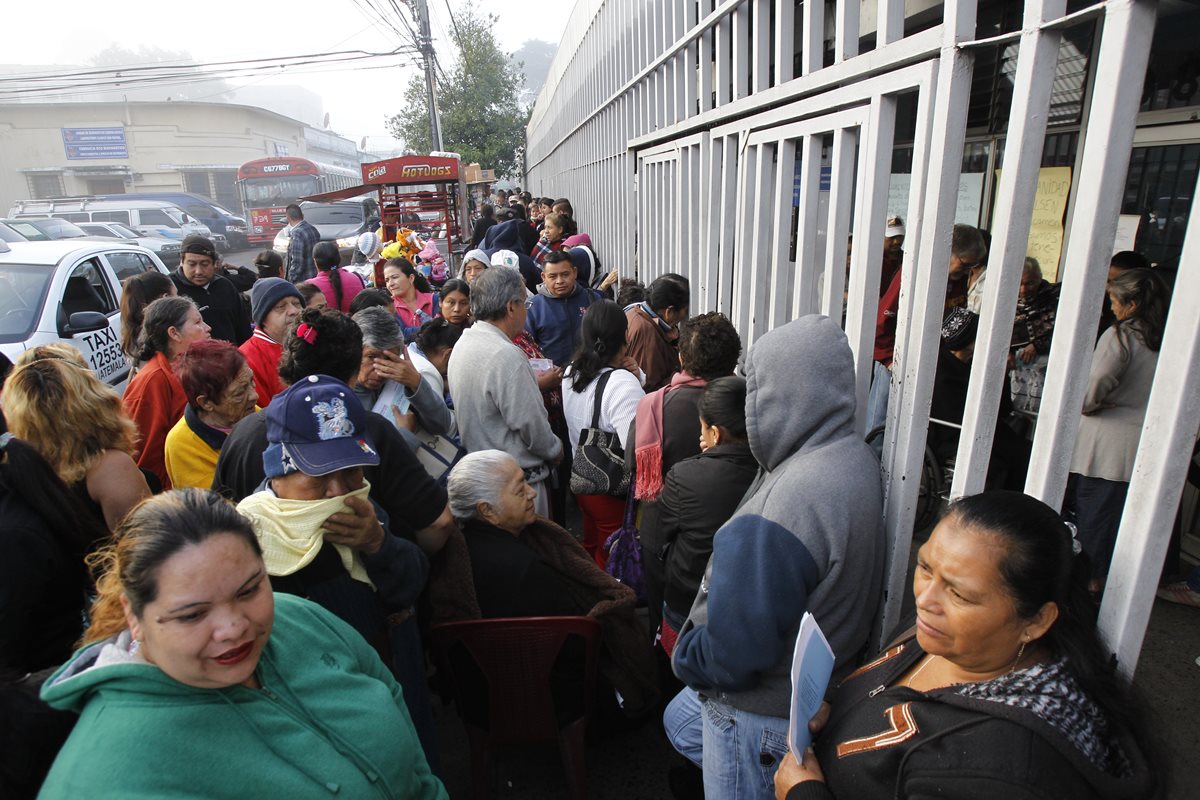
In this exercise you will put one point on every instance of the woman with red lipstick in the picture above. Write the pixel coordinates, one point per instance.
(196, 680)
(1004, 692)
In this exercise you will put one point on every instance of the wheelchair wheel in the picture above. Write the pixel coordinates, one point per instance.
(931, 494)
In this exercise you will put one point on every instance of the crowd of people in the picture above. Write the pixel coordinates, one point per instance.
(222, 583)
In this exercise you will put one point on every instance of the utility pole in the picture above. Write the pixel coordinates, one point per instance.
(426, 43)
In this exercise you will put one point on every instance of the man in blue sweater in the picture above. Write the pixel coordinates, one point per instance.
(556, 311)
(808, 537)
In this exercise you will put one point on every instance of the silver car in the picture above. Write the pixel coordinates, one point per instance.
(166, 249)
(69, 291)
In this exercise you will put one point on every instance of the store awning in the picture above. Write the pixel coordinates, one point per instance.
(341, 194)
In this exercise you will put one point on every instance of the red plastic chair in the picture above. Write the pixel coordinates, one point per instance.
(515, 657)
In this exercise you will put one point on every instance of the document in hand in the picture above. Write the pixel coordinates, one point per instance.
(391, 397)
(812, 665)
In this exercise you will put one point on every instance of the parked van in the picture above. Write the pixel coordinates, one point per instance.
(148, 217)
(219, 220)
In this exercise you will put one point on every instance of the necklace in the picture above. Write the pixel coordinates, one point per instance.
(928, 660)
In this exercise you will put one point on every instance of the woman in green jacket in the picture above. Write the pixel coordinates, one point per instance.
(195, 680)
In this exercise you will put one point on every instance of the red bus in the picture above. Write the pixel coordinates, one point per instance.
(268, 185)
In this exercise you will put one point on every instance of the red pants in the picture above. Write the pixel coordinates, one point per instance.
(602, 514)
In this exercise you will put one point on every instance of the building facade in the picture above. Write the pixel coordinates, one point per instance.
(82, 148)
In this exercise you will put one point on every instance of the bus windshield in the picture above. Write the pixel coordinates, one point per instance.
(278, 191)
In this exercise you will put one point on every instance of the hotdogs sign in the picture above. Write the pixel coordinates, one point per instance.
(411, 169)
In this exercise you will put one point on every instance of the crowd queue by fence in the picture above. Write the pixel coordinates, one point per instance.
(223, 583)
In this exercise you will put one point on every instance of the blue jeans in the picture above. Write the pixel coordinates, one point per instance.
(738, 751)
(877, 403)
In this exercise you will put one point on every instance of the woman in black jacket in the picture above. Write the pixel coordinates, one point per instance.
(700, 495)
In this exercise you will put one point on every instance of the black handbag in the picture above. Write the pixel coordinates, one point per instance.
(599, 464)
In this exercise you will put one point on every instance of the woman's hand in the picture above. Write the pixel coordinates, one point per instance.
(1028, 353)
(609, 280)
(406, 421)
(359, 530)
(550, 379)
(791, 772)
(397, 368)
(817, 723)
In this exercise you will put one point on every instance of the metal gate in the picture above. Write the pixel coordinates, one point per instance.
(746, 140)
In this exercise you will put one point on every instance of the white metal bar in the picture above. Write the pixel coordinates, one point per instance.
(845, 41)
(1159, 470)
(781, 266)
(889, 22)
(705, 70)
(785, 34)
(741, 51)
(763, 41)
(1124, 51)
(812, 48)
(758, 270)
(868, 247)
(724, 61)
(904, 444)
(806, 225)
(743, 275)
(1032, 83)
(841, 189)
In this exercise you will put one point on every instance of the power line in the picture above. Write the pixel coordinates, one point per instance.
(159, 76)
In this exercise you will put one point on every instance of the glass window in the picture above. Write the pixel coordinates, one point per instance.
(278, 191)
(126, 265)
(111, 216)
(157, 216)
(28, 230)
(1158, 190)
(22, 294)
(96, 229)
(73, 217)
(334, 214)
(87, 290)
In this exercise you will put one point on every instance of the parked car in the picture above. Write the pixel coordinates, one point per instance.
(148, 217)
(221, 221)
(167, 250)
(10, 234)
(45, 229)
(341, 221)
(69, 291)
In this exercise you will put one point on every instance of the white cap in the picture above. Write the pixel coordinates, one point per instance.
(506, 258)
(895, 227)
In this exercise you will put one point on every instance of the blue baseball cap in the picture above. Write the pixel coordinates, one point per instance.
(317, 426)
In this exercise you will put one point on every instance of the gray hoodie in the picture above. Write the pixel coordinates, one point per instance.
(808, 537)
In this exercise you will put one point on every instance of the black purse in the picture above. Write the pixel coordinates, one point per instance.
(599, 463)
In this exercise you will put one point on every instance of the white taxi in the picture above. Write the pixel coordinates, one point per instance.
(69, 291)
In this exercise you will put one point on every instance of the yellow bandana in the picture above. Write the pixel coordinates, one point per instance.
(290, 531)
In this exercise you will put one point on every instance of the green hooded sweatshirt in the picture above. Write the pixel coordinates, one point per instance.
(329, 721)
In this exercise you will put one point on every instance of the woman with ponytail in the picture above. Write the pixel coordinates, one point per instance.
(1003, 689)
(339, 286)
(601, 377)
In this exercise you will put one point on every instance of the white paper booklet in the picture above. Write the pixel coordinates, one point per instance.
(812, 666)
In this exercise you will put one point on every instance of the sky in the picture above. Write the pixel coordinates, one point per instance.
(223, 30)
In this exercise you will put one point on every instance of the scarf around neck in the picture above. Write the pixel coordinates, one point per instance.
(649, 443)
(291, 535)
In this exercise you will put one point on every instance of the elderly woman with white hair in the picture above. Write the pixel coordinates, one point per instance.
(522, 565)
(390, 384)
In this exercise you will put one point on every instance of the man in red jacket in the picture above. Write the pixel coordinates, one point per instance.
(275, 305)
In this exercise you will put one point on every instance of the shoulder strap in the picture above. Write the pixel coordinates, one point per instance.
(601, 382)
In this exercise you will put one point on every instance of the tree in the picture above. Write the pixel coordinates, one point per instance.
(482, 118)
(197, 88)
